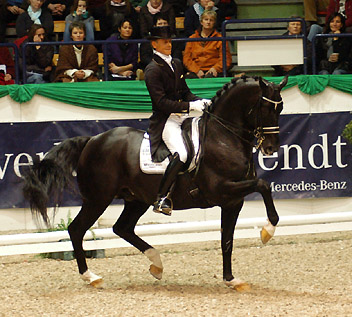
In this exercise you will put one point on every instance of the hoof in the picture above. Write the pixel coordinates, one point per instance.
(99, 283)
(157, 272)
(92, 279)
(267, 233)
(238, 285)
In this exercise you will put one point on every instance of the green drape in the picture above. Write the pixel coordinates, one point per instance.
(134, 96)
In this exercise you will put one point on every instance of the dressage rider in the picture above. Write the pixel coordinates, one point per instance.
(171, 102)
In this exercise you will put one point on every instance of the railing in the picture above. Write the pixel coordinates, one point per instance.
(15, 49)
(314, 49)
(223, 39)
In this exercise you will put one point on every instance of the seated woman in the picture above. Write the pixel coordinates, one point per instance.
(204, 59)
(147, 14)
(293, 28)
(38, 57)
(193, 14)
(115, 12)
(77, 62)
(34, 15)
(123, 57)
(334, 51)
(79, 13)
(7, 67)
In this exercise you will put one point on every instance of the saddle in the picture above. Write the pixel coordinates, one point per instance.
(190, 134)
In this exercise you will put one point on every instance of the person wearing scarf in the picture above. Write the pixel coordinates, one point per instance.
(148, 12)
(79, 13)
(193, 14)
(34, 15)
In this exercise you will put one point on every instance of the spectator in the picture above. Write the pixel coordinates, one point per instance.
(193, 14)
(226, 8)
(344, 7)
(138, 4)
(334, 51)
(115, 12)
(97, 9)
(293, 28)
(147, 13)
(204, 59)
(123, 57)
(146, 50)
(59, 9)
(179, 7)
(311, 8)
(9, 11)
(38, 57)
(34, 15)
(7, 67)
(77, 62)
(79, 13)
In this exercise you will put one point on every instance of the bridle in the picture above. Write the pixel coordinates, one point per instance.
(260, 131)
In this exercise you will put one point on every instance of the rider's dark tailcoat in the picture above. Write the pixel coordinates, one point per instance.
(169, 94)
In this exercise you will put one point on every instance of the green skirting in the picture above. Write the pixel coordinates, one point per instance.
(133, 95)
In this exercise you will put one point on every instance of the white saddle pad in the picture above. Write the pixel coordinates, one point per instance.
(149, 167)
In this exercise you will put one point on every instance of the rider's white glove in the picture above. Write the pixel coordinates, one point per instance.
(207, 102)
(197, 105)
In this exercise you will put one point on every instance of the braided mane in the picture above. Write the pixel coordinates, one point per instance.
(226, 87)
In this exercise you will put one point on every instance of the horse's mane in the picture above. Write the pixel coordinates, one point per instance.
(234, 82)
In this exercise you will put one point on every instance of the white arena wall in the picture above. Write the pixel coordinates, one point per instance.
(44, 109)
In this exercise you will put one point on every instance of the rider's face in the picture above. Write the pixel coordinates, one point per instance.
(163, 46)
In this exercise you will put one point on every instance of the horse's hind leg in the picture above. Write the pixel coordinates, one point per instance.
(124, 227)
(87, 216)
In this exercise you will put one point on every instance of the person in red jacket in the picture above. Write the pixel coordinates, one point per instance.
(7, 67)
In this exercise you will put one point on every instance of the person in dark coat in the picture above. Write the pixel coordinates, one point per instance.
(146, 50)
(34, 15)
(38, 57)
(333, 52)
(172, 101)
(123, 57)
(147, 14)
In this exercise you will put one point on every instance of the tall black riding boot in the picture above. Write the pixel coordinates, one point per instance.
(164, 203)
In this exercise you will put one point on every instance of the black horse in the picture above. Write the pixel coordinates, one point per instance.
(107, 166)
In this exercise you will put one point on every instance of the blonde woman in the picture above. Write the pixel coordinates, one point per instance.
(203, 59)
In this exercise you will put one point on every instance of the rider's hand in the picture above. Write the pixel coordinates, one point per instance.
(207, 102)
(197, 105)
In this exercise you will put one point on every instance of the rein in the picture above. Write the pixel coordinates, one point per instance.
(258, 133)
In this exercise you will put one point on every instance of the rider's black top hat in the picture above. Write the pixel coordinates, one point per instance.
(160, 32)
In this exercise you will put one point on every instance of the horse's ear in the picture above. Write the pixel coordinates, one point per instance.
(283, 82)
(263, 83)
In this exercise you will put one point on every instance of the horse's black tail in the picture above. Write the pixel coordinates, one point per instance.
(45, 181)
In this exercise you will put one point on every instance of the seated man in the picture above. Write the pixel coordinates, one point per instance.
(293, 28)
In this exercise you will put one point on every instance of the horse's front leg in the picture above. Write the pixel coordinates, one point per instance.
(229, 217)
(244, 188)
(268, 230)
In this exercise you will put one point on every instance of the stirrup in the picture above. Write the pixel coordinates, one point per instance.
(163, 206)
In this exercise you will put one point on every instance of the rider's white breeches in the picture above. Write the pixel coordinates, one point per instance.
(172, 135)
